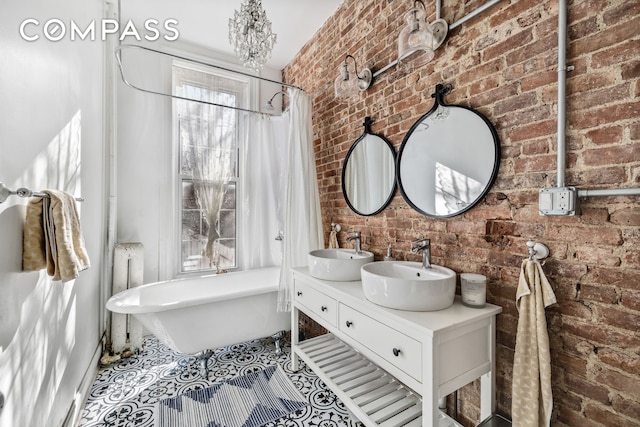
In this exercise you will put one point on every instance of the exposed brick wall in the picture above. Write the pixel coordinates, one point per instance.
(503, 63)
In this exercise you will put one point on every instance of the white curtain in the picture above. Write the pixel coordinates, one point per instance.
(303, 222)
(208, 153)
(264, 161)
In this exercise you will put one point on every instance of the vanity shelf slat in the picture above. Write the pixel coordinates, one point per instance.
(368, 392)
(384, 402)
(356, 377)
(391, 405)
(347, 367)
(405, 418)
(375, 394)
(335, 355)
(415, 423)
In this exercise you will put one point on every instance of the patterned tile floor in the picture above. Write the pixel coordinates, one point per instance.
(124, 394)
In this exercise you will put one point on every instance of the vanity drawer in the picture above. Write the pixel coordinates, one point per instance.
(322, 305)
(398, 349)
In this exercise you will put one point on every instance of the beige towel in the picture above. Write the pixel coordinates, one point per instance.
(333, 239)
(531, 389)
(52, 237)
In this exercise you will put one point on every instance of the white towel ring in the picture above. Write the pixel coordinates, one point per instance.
(537, 250)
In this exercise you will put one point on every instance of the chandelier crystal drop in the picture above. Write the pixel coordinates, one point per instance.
(250, 34)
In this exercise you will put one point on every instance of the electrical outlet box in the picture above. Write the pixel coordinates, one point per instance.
(557, 201)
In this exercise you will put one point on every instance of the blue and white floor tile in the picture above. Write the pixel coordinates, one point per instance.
(124, 394)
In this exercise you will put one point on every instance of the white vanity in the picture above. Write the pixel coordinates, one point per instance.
(390, 367)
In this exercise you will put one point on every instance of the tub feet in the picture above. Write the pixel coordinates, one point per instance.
(276, 340)
(203, 358)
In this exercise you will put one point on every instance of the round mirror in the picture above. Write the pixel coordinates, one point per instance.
(448, 160)
(368, 174)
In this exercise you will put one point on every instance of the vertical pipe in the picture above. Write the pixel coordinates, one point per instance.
(562, 77)
(438, 8)
(110, 90)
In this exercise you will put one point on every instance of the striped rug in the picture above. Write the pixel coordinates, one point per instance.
(251, 400)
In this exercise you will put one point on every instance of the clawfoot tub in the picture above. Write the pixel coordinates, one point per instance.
(200, 314)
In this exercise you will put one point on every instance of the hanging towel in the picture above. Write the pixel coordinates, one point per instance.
(52, 237)
(333, 236)
(333, 239)
(531, 389)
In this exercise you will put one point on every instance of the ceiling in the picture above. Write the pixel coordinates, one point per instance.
(206, 22)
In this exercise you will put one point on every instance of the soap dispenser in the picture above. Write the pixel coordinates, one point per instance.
(389, 257)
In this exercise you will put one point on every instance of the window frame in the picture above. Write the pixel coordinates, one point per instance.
(247, 101)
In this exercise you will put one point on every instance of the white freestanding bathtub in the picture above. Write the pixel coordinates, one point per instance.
(199, 314)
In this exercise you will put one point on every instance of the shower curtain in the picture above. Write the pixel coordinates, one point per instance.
(264, 161)
(303, 222)
(281, 219)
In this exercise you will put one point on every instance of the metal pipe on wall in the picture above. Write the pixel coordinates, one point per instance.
(561, 144)
(473, 14)
(610, 192)
(562, 79)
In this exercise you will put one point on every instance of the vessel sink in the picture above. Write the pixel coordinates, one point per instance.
(405, 285)
(339, 265)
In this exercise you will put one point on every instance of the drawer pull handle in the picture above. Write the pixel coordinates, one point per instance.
(299, 294)
(323, 308)
(349, 323)
(396, 352)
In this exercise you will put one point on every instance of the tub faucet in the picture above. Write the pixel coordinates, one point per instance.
(356, 237)
(423, 245)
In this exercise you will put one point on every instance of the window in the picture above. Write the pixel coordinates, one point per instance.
(208, 140)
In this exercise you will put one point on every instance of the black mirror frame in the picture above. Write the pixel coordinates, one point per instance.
(442, 90)
(367, 131)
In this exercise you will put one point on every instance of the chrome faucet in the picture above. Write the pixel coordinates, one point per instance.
(423, 245)
(356, 237)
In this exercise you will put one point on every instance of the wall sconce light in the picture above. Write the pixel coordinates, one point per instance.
(420, 36)
(348, 86)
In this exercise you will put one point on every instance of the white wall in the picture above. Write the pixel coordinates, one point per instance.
(144, 186)
(50, 137)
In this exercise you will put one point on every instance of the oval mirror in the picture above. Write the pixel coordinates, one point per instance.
(448, 160)
(369, 173)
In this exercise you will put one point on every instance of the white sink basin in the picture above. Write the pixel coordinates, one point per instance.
(405, 285)
(339, 265)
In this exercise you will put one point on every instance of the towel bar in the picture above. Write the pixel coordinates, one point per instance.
(23, 192)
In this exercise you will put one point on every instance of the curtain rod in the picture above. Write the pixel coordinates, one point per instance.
(119, 49)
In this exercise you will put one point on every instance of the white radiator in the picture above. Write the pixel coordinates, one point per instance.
(128, 268)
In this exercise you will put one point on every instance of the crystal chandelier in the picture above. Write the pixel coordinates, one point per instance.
(250, 34)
